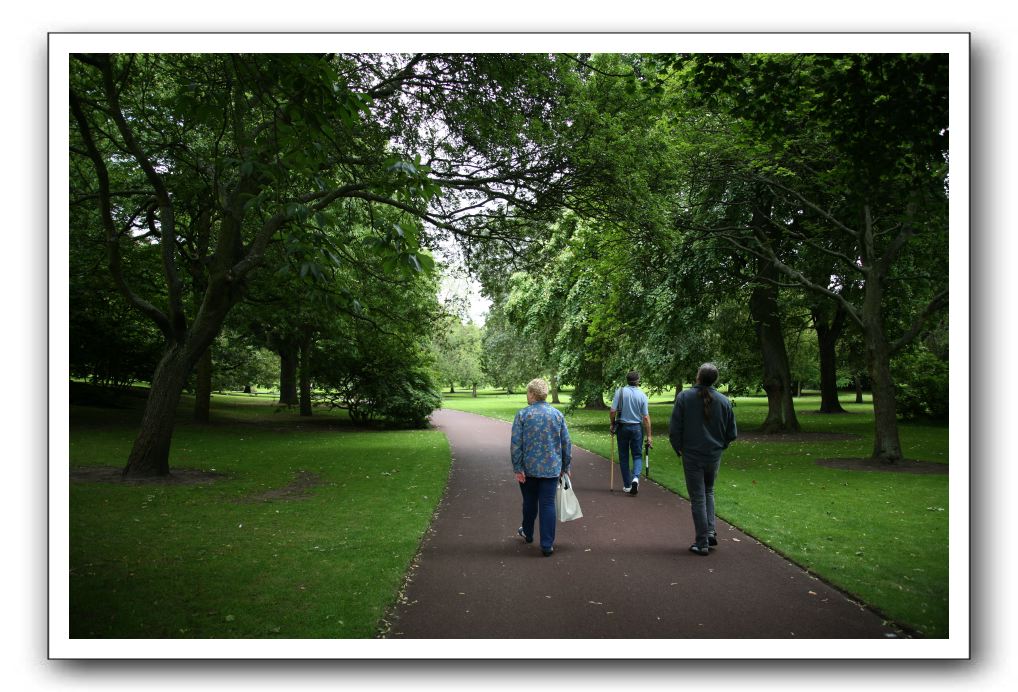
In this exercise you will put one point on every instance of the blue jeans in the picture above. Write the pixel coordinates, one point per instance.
(700, 476)
(630, 437)
(539, 499)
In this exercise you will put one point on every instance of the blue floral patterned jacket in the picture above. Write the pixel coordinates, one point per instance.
(540, 443)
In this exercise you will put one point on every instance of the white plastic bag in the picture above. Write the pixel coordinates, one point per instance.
(567, 507)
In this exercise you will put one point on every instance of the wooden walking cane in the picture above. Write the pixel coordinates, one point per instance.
(611, 464)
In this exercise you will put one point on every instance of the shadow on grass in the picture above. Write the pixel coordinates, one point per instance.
(106, 407)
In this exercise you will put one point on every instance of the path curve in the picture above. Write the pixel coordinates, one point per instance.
(622, 571)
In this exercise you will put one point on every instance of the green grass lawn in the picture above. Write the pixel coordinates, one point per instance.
(215, 560)
(880, 536)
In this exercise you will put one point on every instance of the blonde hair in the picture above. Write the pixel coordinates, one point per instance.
(539, 388)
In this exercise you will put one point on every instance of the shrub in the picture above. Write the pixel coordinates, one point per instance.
(408, 401)
(376, 386)
(921, 383)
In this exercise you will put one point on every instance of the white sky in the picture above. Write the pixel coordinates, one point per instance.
(457, 282)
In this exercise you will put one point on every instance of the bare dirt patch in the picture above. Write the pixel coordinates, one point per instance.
(113, 474)
(903, 466)
(298, 489)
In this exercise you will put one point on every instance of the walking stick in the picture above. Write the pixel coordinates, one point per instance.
(646, 456)
(611, 464)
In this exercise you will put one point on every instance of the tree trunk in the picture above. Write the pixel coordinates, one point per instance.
(858, 388)
(766, 315)
(288, 374)
(886, 441)
(452, 387)
(150, 454)
(305, 373)
(554, 390)
(777, 378)
(828, 334)
(474, 391)
(203, 389)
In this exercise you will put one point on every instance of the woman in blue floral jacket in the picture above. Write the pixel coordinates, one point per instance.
(541, 453)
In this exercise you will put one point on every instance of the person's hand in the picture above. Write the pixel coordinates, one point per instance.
(521, 477)
(611, 429)
(650, 441)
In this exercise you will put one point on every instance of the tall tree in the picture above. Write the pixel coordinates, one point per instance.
(458, 353)
(218, 157)
(857, 145)
(508, 356)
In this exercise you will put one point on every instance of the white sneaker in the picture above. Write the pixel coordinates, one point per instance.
(627, 489)
(636, 486)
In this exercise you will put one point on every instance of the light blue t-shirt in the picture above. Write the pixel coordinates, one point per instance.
(631, 406)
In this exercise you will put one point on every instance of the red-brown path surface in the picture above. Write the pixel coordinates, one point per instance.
(622, 571)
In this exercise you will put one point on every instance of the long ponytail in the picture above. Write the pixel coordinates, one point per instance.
(706, 376)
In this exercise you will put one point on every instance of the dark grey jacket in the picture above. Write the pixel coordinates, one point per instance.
(696, 438)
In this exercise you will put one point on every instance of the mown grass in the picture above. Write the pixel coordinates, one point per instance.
(216, 560)
(880, 536)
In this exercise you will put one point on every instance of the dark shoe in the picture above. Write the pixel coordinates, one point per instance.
(699, 549)
(635, 486)
(519, 532)
(548, 552)
(712, 539)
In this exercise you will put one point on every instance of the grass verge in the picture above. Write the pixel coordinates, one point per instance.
(221, 560)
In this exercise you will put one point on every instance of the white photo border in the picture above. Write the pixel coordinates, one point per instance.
(61, 45)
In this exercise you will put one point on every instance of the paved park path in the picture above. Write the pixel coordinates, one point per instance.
(622, 571)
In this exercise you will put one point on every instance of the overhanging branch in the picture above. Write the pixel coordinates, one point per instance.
(937, 303)
(106, 217)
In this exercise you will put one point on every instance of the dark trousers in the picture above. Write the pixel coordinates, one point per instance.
(700, 476)
(539, 500)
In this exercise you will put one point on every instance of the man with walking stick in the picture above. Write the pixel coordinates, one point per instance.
(629, 419)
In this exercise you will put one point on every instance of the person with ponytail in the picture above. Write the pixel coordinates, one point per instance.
(701, 427)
